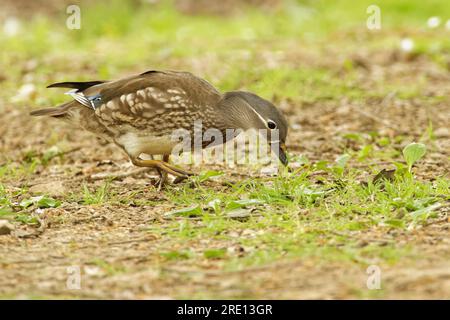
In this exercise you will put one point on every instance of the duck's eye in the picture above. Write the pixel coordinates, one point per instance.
(271, 124)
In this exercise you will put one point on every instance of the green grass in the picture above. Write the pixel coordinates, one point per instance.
(292, 217)
(99, 196)
(18, 206)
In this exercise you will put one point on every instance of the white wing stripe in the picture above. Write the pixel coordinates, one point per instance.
(79, 96)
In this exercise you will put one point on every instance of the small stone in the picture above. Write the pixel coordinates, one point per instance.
(54, 188)
(269, 171)
(239, 214)
(5, 227)
(442, 132)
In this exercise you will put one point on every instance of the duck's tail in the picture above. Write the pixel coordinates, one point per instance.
(59, 111)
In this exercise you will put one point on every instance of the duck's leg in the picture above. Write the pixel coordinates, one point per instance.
(182, 173)
(179, 179)
(161, 165)
(162, 174)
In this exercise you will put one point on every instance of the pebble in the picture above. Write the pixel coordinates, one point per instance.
(442, 132)
(5, 227)
(54, 188)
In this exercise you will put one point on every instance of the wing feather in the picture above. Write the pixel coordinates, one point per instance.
(153, 98)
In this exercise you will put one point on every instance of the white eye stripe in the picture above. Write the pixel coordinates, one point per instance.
(268, 123)
(259, 116)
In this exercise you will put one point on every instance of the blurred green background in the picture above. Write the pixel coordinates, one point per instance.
(293, 49)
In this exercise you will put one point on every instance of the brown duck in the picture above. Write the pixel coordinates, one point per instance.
(139, 113)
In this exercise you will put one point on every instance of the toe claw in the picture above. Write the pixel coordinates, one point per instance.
(179, 179)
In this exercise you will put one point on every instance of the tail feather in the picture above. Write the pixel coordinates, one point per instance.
(52, 112)
(81, 86)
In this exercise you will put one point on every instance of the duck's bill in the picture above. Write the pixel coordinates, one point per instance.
(280, 150)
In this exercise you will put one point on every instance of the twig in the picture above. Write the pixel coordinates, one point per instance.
(118, 175)
(364, 165)
(375, 118)
(67, 151)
